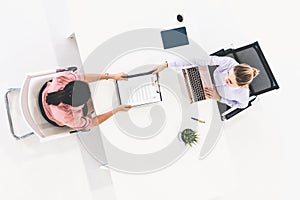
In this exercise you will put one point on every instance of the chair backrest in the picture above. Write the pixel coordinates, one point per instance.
(264, 82)
(31, 110)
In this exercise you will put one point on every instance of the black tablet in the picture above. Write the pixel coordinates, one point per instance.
(174, 37)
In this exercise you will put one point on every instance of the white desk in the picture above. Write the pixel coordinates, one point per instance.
(95, 22)
(95, 27)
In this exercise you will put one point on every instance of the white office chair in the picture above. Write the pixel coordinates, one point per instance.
(24, 104)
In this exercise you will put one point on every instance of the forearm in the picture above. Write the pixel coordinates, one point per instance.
(97, 77)
(179, 63)
(182, 63)
(101, 118)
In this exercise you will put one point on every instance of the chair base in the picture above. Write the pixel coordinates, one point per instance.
(18, 128)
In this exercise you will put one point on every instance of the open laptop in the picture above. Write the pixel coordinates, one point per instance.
(196, 78)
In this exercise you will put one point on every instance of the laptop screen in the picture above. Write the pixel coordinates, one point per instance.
(174, 37)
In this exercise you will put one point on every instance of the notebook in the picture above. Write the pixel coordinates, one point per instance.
(139, 89)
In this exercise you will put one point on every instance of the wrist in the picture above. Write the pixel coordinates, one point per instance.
(115, 110)
(106, 76)
(165, 65)
(112, 76)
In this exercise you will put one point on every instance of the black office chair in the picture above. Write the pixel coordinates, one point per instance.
(264, 82)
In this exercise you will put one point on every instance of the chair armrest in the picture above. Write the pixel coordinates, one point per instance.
(24, 105)
(71, 68)
(237, 110)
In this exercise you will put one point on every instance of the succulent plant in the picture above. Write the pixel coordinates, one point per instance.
(189, 137)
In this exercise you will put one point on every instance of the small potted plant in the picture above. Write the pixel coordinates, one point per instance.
(188, 136)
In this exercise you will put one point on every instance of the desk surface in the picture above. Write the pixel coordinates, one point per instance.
(119, 142)
(104, 37)
(104, 48)
(146, 138)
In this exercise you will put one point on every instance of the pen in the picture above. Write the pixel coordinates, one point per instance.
(198, 120)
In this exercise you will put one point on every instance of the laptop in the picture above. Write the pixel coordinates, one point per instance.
(196, 78)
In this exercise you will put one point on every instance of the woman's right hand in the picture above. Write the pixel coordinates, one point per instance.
(123, 108)
(159, 68)
(120, 76)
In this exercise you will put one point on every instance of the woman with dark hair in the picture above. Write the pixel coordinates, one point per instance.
(66, 100)
(231, 79)
(75, 93)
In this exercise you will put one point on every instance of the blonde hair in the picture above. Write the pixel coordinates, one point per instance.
(244, 74)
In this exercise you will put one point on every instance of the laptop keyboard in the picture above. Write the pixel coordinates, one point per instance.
(196, 83)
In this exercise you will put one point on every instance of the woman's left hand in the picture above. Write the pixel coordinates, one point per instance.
(212, 93)
(120, 76)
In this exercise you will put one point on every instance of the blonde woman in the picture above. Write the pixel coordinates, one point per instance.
(231, 79)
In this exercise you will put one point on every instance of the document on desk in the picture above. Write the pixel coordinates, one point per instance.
(139, 89)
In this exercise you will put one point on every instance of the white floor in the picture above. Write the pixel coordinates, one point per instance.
(259, 148)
